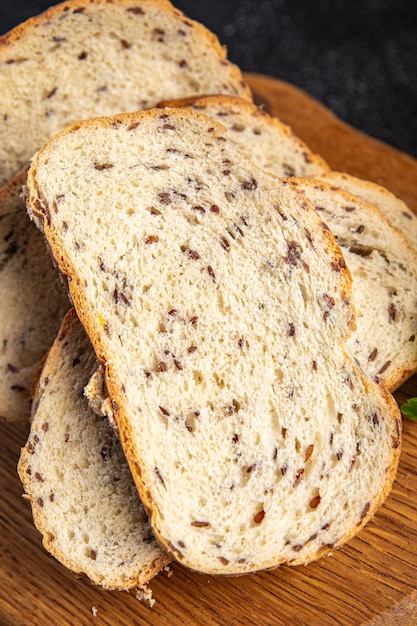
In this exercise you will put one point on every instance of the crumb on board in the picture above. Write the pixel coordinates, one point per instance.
(168, 571)
(145, 594)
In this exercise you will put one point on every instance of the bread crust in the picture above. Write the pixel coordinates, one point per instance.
(384, 421)
(237, 113)
(48, 476)
(59, 97)
(383, 266)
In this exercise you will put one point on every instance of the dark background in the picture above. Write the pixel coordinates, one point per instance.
(359, 58)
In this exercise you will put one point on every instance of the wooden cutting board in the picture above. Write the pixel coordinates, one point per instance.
(371, 581)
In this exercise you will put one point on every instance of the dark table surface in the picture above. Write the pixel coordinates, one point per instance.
(359, 58)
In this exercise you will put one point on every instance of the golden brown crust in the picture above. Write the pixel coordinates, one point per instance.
(41, 428)
(59, 10)
(327, 242)
(388, 240)
(236, 104)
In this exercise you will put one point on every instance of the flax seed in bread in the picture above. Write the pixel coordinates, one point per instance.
(384, 270)
(76, 477)
(33, 301)
(200, 281)
(93, 57)
(264, 139)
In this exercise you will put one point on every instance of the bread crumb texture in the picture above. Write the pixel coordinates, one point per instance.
(371, 228)
(384, 272)
(264, 139)
(84, 58)
(220, 304)
(28, 281)
(75, 474)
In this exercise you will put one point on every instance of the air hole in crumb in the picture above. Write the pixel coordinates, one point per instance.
(198, 377)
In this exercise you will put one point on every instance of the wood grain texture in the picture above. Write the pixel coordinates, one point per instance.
(372, 581)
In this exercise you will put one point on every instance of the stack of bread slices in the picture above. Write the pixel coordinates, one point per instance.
(220, 391)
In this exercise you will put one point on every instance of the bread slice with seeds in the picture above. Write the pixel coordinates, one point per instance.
(33, 301)
(83, 58)
(384, 270)
(76, 477)
(200, 281)
(266, 140)
(382, 263)
(392, 207)
(79, 58)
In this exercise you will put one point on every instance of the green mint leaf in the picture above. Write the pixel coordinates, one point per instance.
(409, 408)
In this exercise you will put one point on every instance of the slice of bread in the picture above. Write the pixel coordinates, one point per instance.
(264, 139)
(79, 58)
(84, 58)
(219, 304)
(395, 209)
(33, 301)
(384, 271)
(382, 264)
(76, 477)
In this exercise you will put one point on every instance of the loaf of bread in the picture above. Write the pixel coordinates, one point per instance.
(384, 270)
(33, 301)
(219, 304)
(395, 209)
(76, 477)
(84, 58)
(264, 139)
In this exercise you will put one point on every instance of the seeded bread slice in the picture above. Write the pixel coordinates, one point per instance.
(384, 271)
(84, 58)
(201, 280)
(76, 477)
(395, 209)
(266, 140)
(33, 301)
